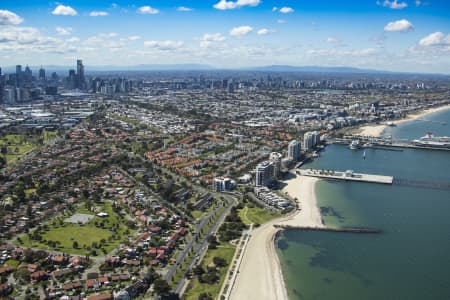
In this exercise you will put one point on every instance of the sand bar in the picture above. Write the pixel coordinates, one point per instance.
(377, 130)
(260, 275)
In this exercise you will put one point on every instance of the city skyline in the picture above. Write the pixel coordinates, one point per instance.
(409, 36)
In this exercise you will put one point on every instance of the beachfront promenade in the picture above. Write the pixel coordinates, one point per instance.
(347, 175)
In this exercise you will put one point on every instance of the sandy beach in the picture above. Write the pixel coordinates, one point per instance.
(377, 130)
(260, 275)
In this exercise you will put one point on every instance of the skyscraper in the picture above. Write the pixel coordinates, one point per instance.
(2, 85)
(294, 150)
(27, 74)
(80, 75)
(19, 75)
(308, 141)
(41, 74)
(264, 174)
(276, 157)
(71, 80)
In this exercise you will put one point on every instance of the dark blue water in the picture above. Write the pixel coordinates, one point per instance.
(410, 260)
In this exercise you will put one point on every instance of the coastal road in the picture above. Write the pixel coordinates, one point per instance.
(201, 247)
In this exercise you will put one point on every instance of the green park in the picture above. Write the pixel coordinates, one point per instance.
(91, 235)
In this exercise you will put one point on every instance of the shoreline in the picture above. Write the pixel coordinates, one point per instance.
(260, 274)
(377, 130)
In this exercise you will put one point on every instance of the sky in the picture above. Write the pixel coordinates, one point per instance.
(394, 35)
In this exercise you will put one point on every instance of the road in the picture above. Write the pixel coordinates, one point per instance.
(200, 248)
(189, 245)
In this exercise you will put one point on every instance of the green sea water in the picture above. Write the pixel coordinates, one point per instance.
(410, 259)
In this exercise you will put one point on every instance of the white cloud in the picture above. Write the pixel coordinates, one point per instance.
(147, 10)
(378, 39)
(224, 4)
(213, 37)
(393, 4)
(134, 38)
(265, 31)
(280, 21)
(400, 25)
(30, 39)
(9, 18)
(63, 30)
(333, 40)
(274, 8)
(345, 53)
(420, 3)
(104, 40)
(73, 40)
(435, 39)
(163, 45)
(241, 31)
(64, 11)
(98, 14)
(184, 8)
(286, 10)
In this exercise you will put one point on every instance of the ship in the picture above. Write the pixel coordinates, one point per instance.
(354, 145)
(429, 140)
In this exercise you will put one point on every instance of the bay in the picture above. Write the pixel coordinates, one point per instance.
(409, 260)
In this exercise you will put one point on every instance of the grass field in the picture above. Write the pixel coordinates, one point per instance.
(19, 144)
(197, 214)
(12, 263)
(223, 250)
(256, 215)
(85, 235)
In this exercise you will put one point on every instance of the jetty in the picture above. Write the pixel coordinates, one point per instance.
(384, 143)
(348, 175)
(331, 229)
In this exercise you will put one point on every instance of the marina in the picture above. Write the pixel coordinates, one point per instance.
(348, 175)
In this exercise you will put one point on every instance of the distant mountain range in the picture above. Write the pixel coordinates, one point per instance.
(204, 67)
(315, 69)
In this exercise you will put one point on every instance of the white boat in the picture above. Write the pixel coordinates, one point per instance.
(429, 140)
(354, 145)
(364, 154)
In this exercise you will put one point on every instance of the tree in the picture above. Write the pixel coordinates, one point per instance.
(23, 274)
(2, 161)
(210, 277)
(219, 261)
(198, 270)
(205, 296)
(161, 287)
(75, 245)
(4, 150)
(150, 276)
(212, 241)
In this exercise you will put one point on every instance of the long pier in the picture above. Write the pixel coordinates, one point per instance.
(330, 229)
(347, 175)
(383, 143)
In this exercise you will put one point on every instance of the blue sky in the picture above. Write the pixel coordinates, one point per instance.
(398, 35)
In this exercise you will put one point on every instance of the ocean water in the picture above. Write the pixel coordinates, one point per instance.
(410, 259)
